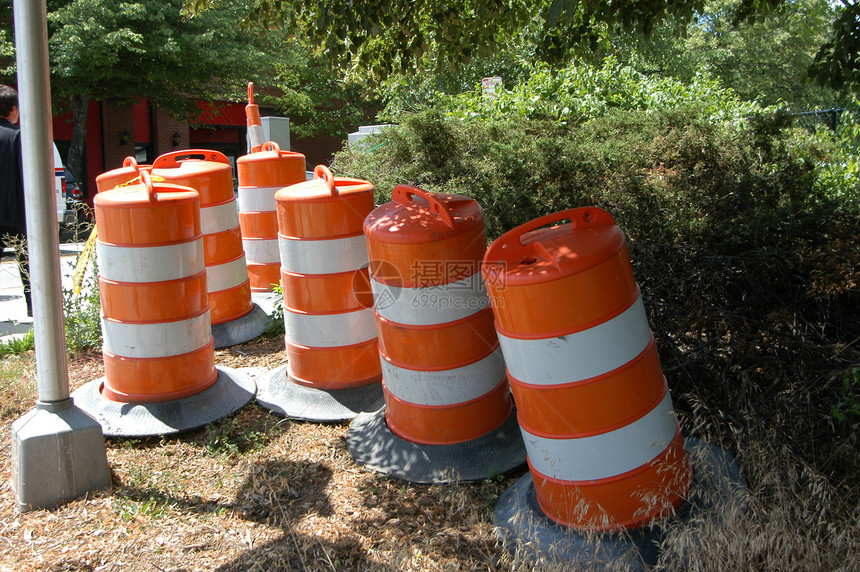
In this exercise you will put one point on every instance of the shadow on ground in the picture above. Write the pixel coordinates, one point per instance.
(278, 494)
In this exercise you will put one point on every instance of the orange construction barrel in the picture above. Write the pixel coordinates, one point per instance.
(261, 174)
(209, 173)
(333, 369)
(160, 376)
(330, 332)
(605, 449)
(443, 372)
(448, 409)
(152, 280)
(129, 171)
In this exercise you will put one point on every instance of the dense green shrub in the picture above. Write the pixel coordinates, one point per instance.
(666, 174)
(671, 161)
(578, 93)
(839, 172)
(743, 237)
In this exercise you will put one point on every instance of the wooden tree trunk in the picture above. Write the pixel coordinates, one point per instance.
(77, 150)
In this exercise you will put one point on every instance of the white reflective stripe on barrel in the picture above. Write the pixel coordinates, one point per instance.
(257, 199)
(225, 276)
(156, 340)
(430, 305)
(330, 330)
(264, 250)
(607, 454)
(219, 218)
(323, 256)
(256, 135)
(581, 355)
(445, 387)
(150, 263)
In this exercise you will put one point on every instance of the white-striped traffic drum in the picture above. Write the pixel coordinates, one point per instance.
(443, 373)
(129, 171)
(604, 447)
(209, 173)
(261, 174)
(328, 307)
(152, 280)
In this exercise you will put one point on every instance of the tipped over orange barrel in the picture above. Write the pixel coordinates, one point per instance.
(604, 447)
(152, 279)
(443, 372)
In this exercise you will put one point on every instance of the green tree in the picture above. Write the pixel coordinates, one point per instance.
(379, 37)
(317, 98)
(765, 58)
(837, 62)
(120, 50)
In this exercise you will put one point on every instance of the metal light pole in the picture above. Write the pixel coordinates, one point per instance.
(58, 451)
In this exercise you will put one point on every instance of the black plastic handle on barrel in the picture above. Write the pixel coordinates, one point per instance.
(403, 194)
(580, 217)
(174, 158)
(324, 173)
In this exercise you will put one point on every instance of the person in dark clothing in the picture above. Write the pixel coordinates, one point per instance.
(13, 225)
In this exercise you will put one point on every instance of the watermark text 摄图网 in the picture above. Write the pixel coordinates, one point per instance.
(456, 273)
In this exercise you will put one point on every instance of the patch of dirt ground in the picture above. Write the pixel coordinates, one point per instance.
(250, 492)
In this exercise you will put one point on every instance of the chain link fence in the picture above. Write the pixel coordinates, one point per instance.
(812, 120)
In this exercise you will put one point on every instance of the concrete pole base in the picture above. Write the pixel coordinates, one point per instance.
(58, 453)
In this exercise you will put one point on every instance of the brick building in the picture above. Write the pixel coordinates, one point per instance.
(115, 132)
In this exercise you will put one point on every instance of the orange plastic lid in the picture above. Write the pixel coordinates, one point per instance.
(129, 171)
(271, 151)
(145, 194)
(324, 188)
(193, 162)
(534, 253)
(414, 215)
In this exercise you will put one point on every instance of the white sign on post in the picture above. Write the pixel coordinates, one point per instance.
(488, 86)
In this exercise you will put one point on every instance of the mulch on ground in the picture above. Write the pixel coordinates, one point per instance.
(251, 492)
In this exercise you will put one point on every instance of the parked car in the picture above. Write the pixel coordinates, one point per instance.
(64, 215)
(71, 189)
(75, 203)
(69, 194)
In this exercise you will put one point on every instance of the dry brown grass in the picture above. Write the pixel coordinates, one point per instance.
(790, 519)
(251, 492)
(18, 388)
(755, 347)
(758, 347)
